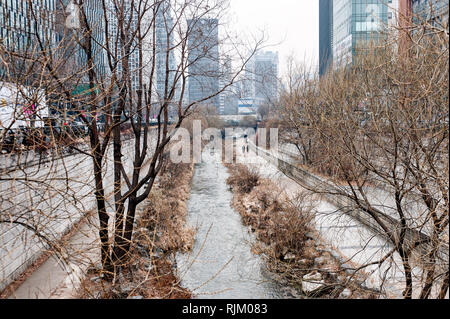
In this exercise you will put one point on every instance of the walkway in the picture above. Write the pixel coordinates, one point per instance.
(352, 241)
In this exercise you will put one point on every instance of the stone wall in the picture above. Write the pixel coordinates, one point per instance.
(51, 195)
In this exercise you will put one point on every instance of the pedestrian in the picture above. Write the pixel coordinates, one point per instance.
(247, 148)
(243, 148)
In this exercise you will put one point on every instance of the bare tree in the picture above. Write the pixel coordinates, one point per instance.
(147, 48)
(300, 84)
(380, 129)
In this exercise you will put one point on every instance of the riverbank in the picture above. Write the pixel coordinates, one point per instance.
(286, 238)
(161, 231)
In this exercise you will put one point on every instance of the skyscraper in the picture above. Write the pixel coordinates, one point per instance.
(265, 77)
(165, 56)
(325, 35)
(432, 10)
(229, 97)
(203, 59)
(68, 35)
(19, 30)
(259, 83)
(95, 17)
(114, 38)
(357, 22)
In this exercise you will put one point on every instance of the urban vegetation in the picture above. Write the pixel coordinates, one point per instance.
(116, 109)
(90, 113)
(379, 128)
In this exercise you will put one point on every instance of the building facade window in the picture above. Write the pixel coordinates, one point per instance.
(356, 23)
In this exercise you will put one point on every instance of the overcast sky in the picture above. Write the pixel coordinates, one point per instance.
(291, 24)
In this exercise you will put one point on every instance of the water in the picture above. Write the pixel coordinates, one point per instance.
(221, 264)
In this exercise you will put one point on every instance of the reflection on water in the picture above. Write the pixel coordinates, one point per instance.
(221, 264)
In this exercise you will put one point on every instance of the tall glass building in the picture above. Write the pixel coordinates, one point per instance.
(18, 28)
(164, 44)
(131, 17)
(325, 35)
(94, 15)
(19, 31)
(357, 22)
(203, 59)
(266, 77)
(433, 10)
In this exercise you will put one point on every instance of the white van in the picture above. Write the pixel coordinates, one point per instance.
(21, 107)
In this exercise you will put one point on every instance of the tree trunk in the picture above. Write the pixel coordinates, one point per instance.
(103, 219)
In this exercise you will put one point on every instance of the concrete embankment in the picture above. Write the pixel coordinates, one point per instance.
(52, 197)
(352, 242)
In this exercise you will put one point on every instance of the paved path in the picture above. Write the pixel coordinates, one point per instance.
(343, 234)
(57, 279)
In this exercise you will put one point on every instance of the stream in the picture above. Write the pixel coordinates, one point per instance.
(221, 264)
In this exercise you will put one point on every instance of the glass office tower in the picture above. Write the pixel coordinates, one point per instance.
(18, 28)
(325, 35)
(432, 10)
(203, 59)
(356, 23)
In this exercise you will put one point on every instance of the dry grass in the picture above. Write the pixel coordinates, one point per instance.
(165, 216)
(243, 178)
(278, 222)
(285, 236)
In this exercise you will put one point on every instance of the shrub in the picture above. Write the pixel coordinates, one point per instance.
(243, 179)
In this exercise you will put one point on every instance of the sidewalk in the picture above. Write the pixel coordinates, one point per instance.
(59, 279)
(344, 235)
(55, 279)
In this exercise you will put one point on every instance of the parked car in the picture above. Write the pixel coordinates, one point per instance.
(9, 141)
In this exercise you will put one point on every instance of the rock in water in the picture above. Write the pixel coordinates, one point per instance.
(311, 282)
(346, 293)
(289, 256)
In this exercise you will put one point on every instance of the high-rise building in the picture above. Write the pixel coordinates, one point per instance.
(203, 59)
(228, 99)
(325, 35)
(431, 10)
(63, 32)
(247, 80)
(19, 30)
(265, 77)
(95, 18)
(357, 22)
(22, 24)
(130, 16)
(259, 83)
(68, 35)
(224, 79)
(165, 56)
